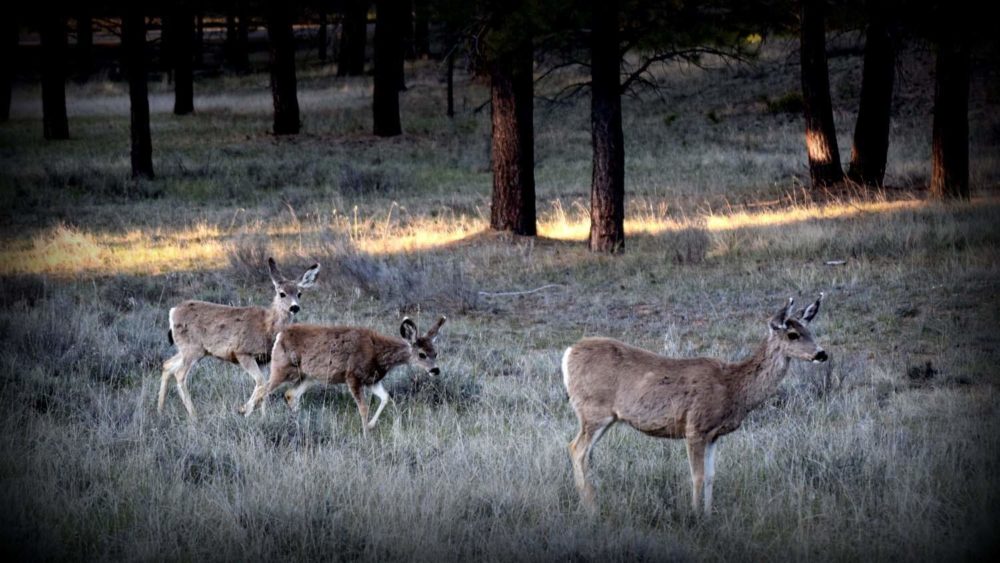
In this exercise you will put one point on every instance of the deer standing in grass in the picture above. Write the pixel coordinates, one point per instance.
(310, 354)
(241, 335)
(698, 399)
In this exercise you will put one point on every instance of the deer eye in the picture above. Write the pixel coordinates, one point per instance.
(793, 336)
(282, 294)
(422, 356)
(297, 295)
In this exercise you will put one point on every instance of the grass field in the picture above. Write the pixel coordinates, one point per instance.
(888, 452)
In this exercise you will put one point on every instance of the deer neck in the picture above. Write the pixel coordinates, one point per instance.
(392, 352)
(758, 376)
(277, 319)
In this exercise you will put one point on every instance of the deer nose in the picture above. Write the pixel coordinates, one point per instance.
(434, 371)
(820, 356)
(294, 309)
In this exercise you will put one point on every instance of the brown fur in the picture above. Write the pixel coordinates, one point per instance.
(241, 335)
(360, 357)
(697, 399)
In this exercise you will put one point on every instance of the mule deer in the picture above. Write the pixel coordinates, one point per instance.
(359, 357)
(698, 399)
(241, 335)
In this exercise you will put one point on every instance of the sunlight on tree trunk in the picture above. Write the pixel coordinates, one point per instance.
(607, 189)
(513, 160)
(950, 149)
(821, 136)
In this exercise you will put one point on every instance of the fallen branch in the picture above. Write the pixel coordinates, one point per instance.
(512, 293)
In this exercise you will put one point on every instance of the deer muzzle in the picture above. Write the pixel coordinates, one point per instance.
(820, 357)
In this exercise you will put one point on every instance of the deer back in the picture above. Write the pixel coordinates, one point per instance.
(221, 330)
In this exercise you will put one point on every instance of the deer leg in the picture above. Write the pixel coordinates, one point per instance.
(580, 452)
(709, 475)
(249, 364)
(383, 396)
(169, 367)
(181, 377)
(359, 397)
(294, 395)
(277, 377)
(696, 459)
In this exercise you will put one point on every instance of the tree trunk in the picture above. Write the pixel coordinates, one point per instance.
(421, 29)
(513, 151)
(821, 136)
(199, 40)
(181, 50)
(353, 38)
(950, 149)
(237, 37)
(53, 35)
(406, 13)
(607, 189)
(321, 36)
(283, 83)
(84, 44)
(871, 133)
(8, 54)
(388, 62)
(134, 52)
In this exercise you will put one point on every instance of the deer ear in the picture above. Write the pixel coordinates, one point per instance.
(777, 322)
(809, 312)
(309, 277)
(408, 330)
(272, 270)
(433, 332)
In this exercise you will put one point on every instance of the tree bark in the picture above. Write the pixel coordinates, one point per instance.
(607, 189)
(821, 135)
(871, 133)
(8, 54)
(321, 36)
(283, 82)
(181, 48)
(513, 151)
(84, 44)
(55, 125)
(353, 38)
(388, 62)
(134, 52)
(950, 148)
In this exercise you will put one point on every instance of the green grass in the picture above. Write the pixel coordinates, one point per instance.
(872, 456)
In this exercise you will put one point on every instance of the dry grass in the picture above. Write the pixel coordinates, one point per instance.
(888, 452)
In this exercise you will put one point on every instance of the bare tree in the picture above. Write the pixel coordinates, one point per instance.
(180, 46)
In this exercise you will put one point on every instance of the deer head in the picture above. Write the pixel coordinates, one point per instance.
(287, 292)
(790, 331)
(422, 347)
